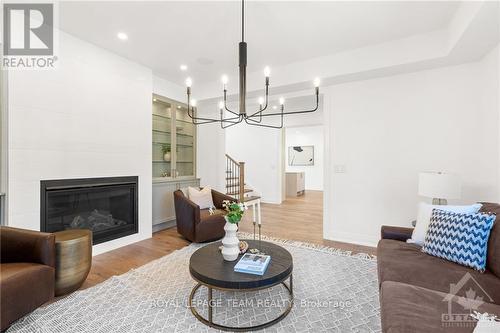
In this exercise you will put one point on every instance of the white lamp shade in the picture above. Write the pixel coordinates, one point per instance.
(439, 185)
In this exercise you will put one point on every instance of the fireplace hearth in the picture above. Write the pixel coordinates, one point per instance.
(106, 206)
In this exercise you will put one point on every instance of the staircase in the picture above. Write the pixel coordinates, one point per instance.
(235, 181)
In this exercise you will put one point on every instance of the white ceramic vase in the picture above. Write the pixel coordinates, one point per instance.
(166, 157)
(230, 243)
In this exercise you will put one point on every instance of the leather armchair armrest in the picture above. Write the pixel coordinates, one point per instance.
(396, 233)
(219, 197)
(20, 245)
(187, 215)
(188, 210)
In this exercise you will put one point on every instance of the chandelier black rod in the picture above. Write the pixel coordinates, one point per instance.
(266, 125)
(255, 118)
(199, 120)
(291, 112)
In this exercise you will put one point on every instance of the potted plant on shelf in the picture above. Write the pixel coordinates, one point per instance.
(230, 242)
(165, 148)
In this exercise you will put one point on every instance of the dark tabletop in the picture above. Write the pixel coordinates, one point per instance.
(207, 266)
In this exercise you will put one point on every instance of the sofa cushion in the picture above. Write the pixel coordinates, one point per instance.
(205, 213)
(407, 308)
(24, 286)
(493, 261)
(404, 262)
(211, 227)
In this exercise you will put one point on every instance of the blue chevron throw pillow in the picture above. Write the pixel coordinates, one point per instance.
(458, 237)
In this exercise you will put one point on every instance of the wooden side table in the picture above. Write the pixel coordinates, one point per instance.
(73, 259)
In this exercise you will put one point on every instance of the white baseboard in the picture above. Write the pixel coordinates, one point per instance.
(117, 243)
(272, 202)
(358, 239)
(164, 225)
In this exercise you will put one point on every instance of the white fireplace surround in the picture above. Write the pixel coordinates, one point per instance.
(94, 126)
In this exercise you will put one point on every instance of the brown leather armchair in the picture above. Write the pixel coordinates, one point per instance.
(197, 225)
(27, 272)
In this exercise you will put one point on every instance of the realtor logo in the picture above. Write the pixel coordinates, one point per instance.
(28, 36)
(28, 29)
(464, 298)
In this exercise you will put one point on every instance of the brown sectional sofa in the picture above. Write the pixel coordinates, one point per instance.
(415, 293)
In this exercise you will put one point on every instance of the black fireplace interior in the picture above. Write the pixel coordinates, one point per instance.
(106, 206)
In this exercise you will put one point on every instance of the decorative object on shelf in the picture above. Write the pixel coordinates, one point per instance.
(439, 186)
(301, 155)
(252, 118)
(230, 242)
(165, 149)
(165, 174)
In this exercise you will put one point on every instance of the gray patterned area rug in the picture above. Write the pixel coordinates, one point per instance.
(334, 292)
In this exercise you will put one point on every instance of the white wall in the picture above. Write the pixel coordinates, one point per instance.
(169, 89)
(384, 131)
(492, 96)
(307, 136)
(261, 148)
(210, 152)
(490, 71)
(91, 117)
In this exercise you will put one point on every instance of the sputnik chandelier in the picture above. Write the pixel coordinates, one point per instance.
(236, 117)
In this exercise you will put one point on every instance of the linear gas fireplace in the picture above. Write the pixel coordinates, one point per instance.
(106, 206)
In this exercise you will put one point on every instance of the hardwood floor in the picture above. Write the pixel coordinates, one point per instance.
(298, 218)
(122, 260)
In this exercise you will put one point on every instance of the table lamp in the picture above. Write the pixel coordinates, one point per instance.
(439, 186)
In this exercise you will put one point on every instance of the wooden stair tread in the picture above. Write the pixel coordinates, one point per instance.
(247, 190)
(251, 198)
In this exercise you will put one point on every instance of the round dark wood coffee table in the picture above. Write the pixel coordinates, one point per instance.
(209, 269)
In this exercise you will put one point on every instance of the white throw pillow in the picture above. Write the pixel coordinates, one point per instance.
(202, 198)
(424, 218)
(184, 191)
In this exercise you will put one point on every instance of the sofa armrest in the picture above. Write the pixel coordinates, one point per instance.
(187, 215)
(396, 233)
(20, 245)
(219, 197)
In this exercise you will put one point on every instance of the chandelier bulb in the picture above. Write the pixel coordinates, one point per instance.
(267, 71)
(241, 112)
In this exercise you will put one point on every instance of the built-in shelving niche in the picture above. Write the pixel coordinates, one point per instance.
(172, 129)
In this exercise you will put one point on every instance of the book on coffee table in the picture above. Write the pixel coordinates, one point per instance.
(253, 264)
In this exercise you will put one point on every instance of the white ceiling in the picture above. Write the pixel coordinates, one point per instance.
(204, 35)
